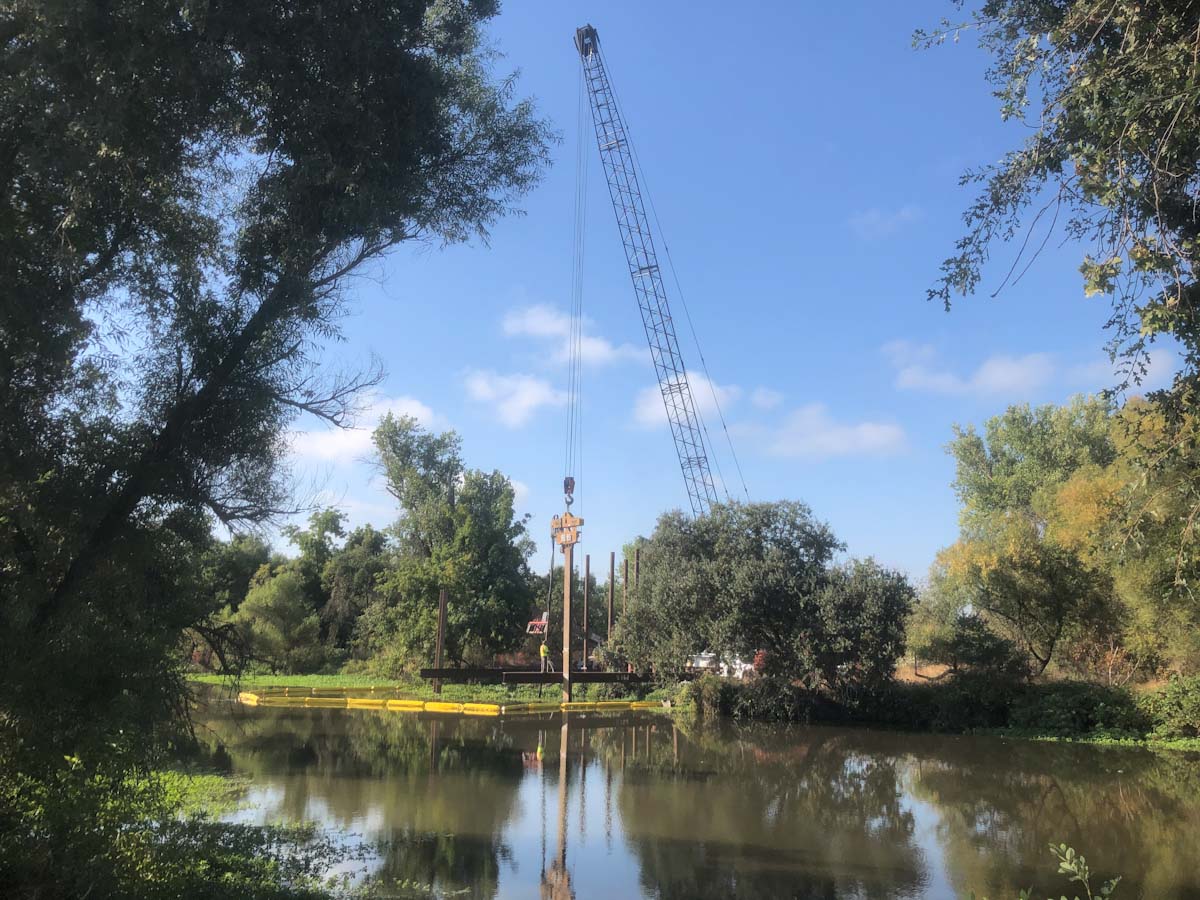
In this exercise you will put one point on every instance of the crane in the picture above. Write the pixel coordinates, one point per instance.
(620, 171)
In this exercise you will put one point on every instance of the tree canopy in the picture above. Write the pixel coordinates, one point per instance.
(760, 577)
(1075, 542)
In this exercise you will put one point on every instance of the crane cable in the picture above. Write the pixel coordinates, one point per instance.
(573, 449)
(686, 311)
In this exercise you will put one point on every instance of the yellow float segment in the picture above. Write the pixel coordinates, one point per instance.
(366, 703)
(439, 706)
(406, 705)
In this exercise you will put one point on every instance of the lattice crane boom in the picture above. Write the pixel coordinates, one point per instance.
(620, 171)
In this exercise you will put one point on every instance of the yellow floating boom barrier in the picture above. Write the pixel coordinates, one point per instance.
(342, 698)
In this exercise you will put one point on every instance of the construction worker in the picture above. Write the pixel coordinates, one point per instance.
(544, 653)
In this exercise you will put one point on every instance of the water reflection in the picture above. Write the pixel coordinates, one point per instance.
(602, 806)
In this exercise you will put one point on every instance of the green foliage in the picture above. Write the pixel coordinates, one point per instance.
(758, 577)
(1072, 708)
(350, 583)
(277, 621)
(1024, 453)
(1175, 708)
(1108, 90)
(458, 530)
(1110, 96)
(859, 633)
(730, 582)
(708, 695)
(1023, 563)
(188, 189)
(317, 547)
(1075, 865)
(969, 701)
(103, 832)
(970, 644)
(229, 567)
(1071, 542)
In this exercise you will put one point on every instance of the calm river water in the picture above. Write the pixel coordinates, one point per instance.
(604, 806)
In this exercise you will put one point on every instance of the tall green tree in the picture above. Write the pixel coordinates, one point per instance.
(458, 530)
(317, 545)
(186, 190)
(351, 580)
(1010, 565)
(1024, 455)
(280, 629)
(229, 567)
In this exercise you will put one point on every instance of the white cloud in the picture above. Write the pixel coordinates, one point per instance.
(875, 223)
(997, 375)
(903, 353)
(515, 397)
(811, 433)
(1161, 364)
(547, 323)
(765, 398)
(520, 493)
(649, 412)
(346, 445)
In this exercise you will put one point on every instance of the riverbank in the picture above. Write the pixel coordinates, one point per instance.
(1165, 719)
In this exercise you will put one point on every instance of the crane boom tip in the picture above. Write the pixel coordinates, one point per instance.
(586, 40)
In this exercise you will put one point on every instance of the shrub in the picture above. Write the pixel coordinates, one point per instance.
(970, 644)
(711, 696)
(775, 699)
(965, 702)
(1174, 710)
(1067, 708)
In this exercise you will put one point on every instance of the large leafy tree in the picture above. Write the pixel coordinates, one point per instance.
(278, 625)
(1010, 564)
(752, 577)
(230, 565)
(458, 530)
(1016, 465)
(351, 580)
(185, 190)
(1134, 519)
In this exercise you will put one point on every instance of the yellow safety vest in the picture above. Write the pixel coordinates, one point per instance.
(543, 650)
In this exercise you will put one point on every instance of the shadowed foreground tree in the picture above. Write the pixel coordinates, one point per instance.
(185, 190)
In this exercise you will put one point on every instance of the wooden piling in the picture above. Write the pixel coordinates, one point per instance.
(587, 591)
(625, 587)
(568, 577)
(612, 577)
(441, 639)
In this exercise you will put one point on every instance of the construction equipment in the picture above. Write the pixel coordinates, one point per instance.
(620, 169)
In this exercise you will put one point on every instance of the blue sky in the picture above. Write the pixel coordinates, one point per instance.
(803, 159)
